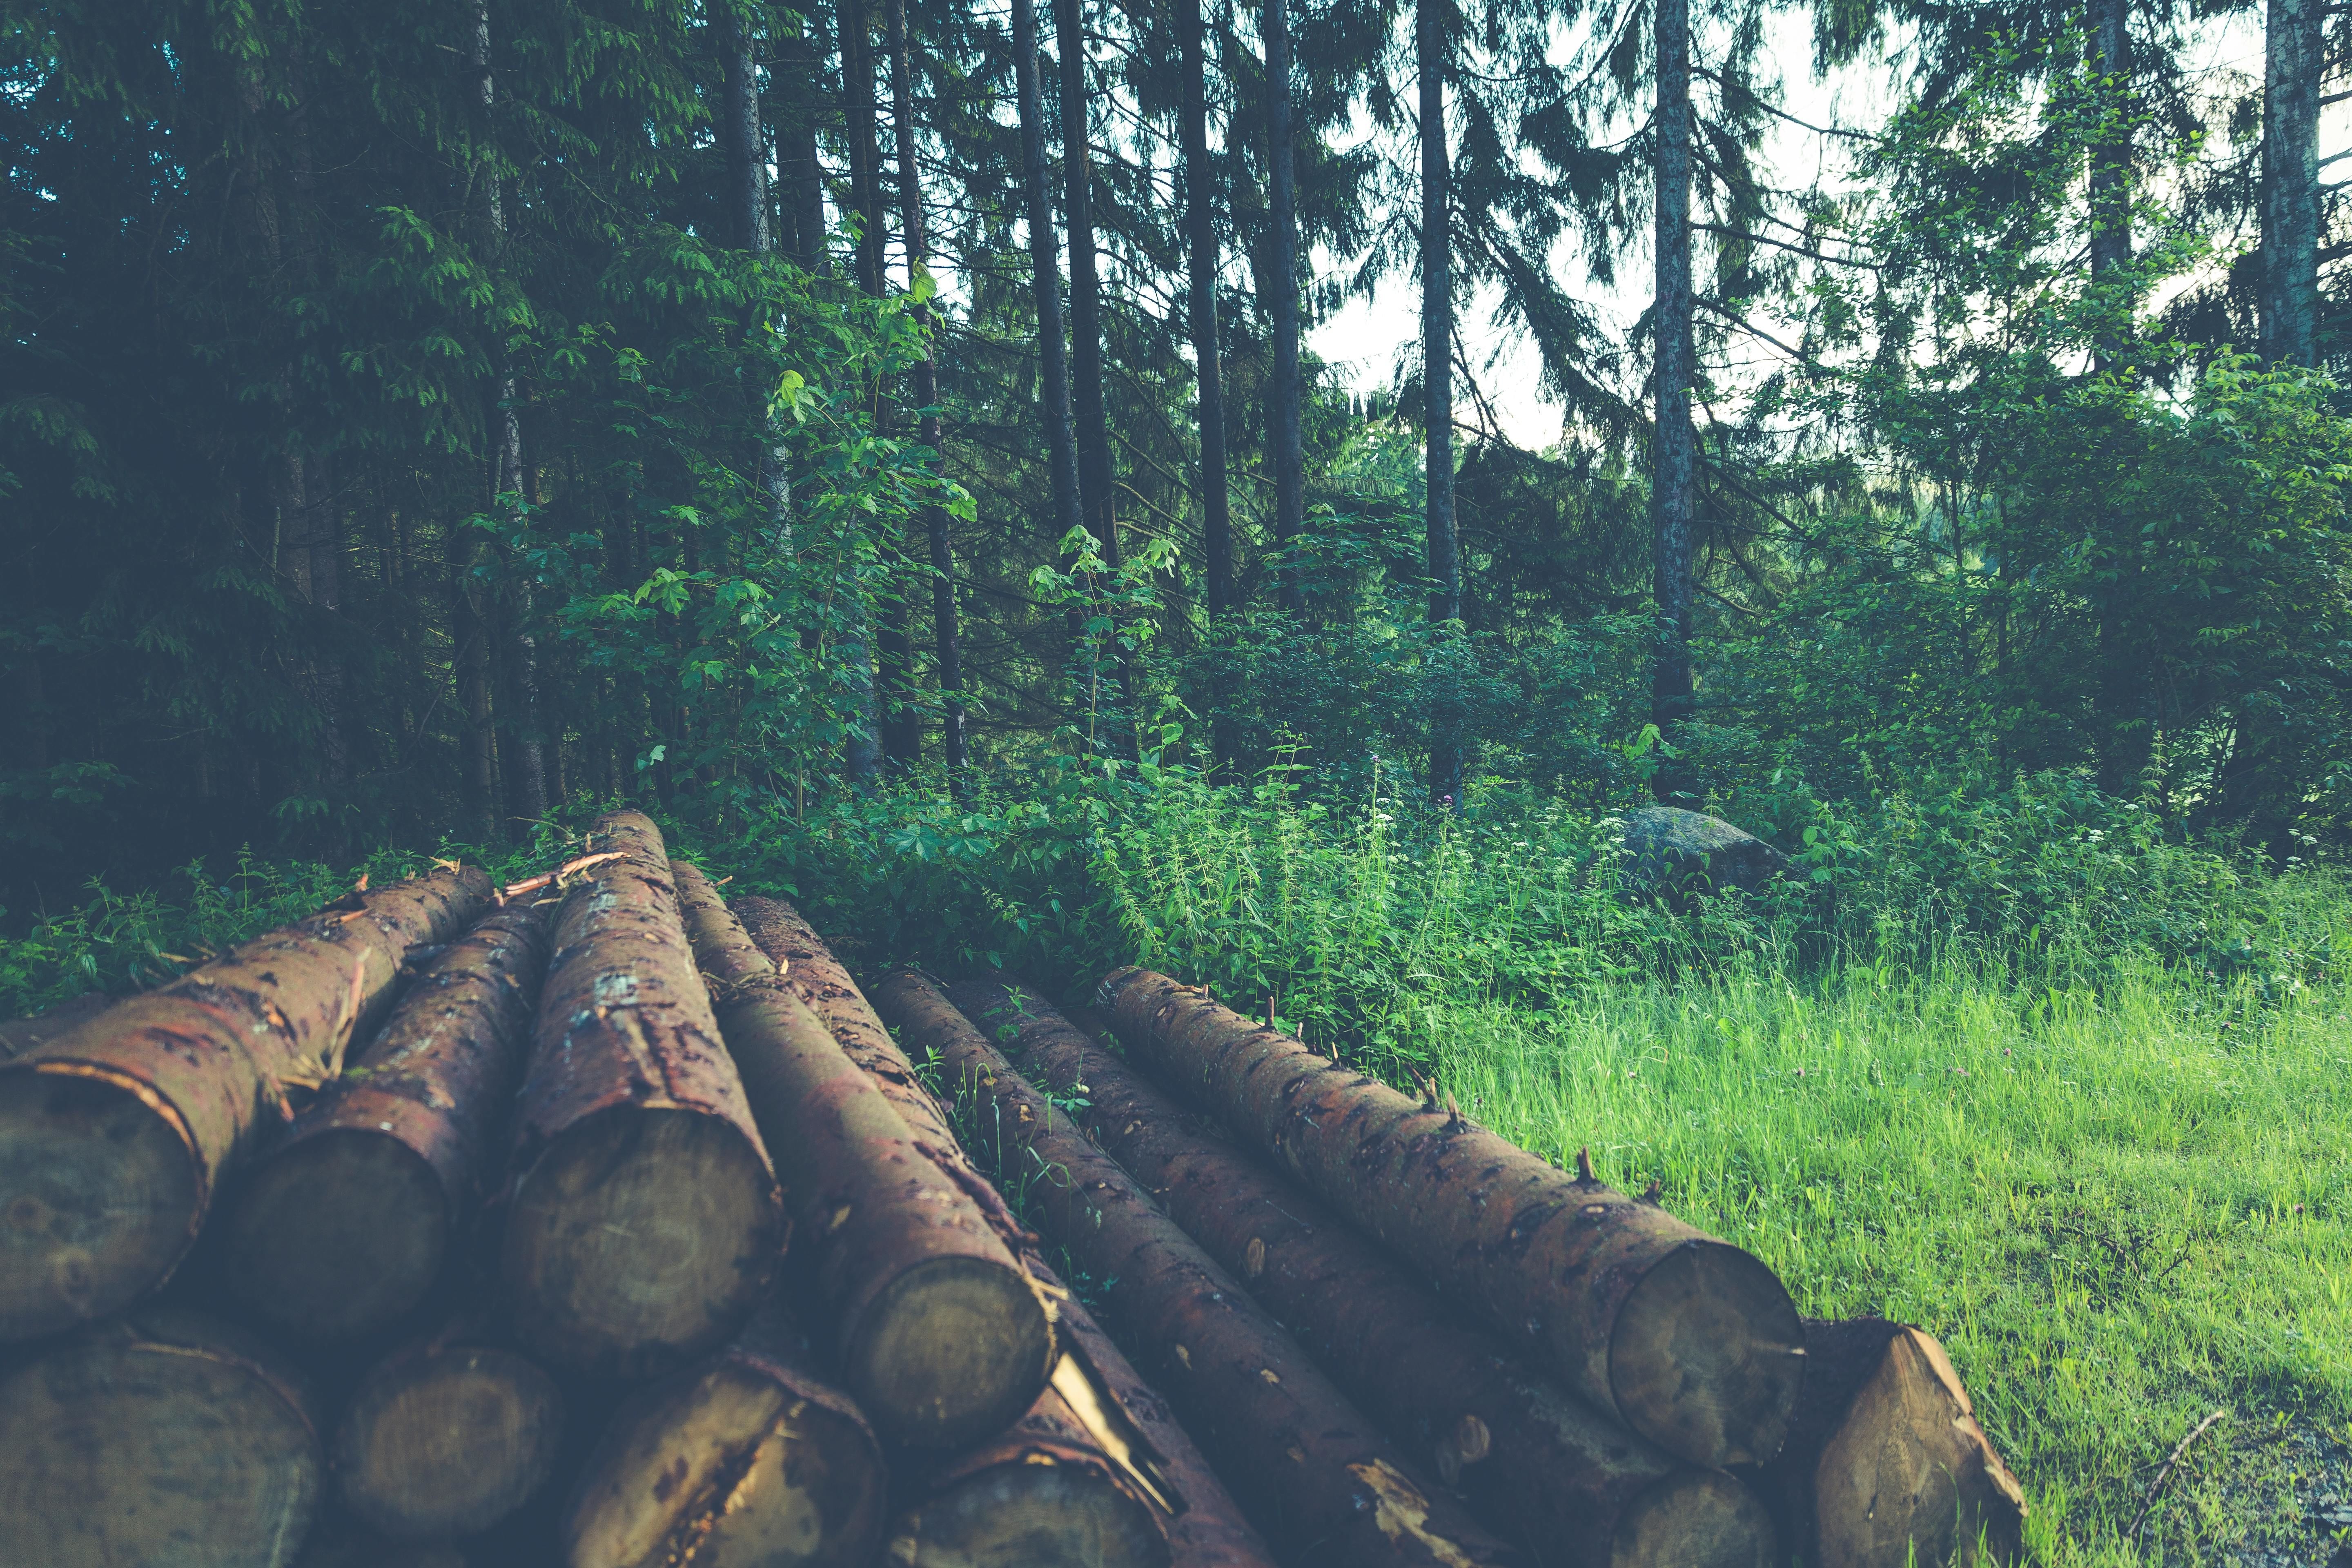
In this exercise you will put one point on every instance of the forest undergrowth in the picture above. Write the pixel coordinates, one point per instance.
(2076, 1098)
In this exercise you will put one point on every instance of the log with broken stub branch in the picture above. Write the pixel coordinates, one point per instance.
(1885, 1465)
(750, 1458)
(163, 1436)
(941, 1335)
(1541, 1467)
(1131, 1422)
(343, 1228)
(446, 1437)
(1312, 1472)
(115, 1134)
(1689, 1340)
(644, 1222)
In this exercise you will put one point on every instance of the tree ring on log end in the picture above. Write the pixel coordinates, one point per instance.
(1706, 1356)
(730, 1467)
(101, 1195)
(162, 1438)
(640, 1237)
(1030, 1516)
(951, 1351)
(448, 1444)
(339, 1236)
(1696, 1518)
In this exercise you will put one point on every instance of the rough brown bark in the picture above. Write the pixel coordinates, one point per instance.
(1885, 1465)
(445, 1437)
(1308, 1468)
(342, 1230)
(751, 1458)
(1043, 1494)
(1206, 1530)
(1687, 1340)
(114, 1135)
(160, 1438)
(1541, 1467)
(940, 1333)
(644, 1222)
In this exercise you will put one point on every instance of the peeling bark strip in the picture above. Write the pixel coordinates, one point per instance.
(445, 1437)
(1206, 1528)
(114, 1135)
(1042, 1492)
(941, 1335)
(1885, 1465)
(1689, 1340)
(643, 1222)
(1539, 1466)
(1310, 1470)
(163, 1436)
(750, 1458)
(341, 1231)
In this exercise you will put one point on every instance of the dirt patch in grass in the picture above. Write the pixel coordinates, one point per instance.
(2260, 1492)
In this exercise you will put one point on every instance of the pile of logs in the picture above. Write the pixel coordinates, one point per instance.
(593, 1221)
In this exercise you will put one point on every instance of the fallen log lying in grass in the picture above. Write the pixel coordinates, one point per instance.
(115, 1134)
(942, 1337)
(445, 1437)
(1885, 1465)
(749, 1459)
(645, 1221)
(1541, 1466)
(161, 1437)
(343, 1228)
(1689, 1340)
(1315, 1477)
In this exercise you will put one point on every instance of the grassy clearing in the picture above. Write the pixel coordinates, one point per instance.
(2120, 1209)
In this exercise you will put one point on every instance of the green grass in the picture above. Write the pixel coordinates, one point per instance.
(2119, 1209)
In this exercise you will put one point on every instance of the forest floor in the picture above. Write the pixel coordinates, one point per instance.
(2121, 1209)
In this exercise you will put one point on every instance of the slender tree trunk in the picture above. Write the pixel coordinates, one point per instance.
(1201, 241)
(865, 754)
(470, 634)
(2110, 173)
(802, 68)
(1437, 380)
(2290, 287)
(1045, 279)
(738, 129)
(508, 474)
(1289, 453)
(947, 645)
(1673, 691)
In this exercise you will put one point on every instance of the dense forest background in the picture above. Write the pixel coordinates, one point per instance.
(425, 420)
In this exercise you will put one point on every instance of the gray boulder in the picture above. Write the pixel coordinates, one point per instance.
(1676, 854)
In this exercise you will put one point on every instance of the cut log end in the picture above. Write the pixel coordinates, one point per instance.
(728, 1466)
(100, 1197)
(339, 1237)
(1909, 1475)
(1706, 1356)
(1030, 1515)
(953, 1350)
(444, 1444)
(1696, 1518)
(639, 1240)
(164, 1437)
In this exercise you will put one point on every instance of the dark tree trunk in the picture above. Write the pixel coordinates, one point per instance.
(802, 68)
(1672, 488)
(865, 755)
(470, 632)
(2290, 285)
(1289, 453)
(1046, 278)
(927, 396)
(1437, 380)
(738, 132)
(1200, 245)
(2110, 176)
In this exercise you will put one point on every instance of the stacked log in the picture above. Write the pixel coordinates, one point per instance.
(1539, 1466)
(115, 1134)
(1314, 1474)
(942, 1336)
(341, 1232)
(1688, 1340)
(644, 1221)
